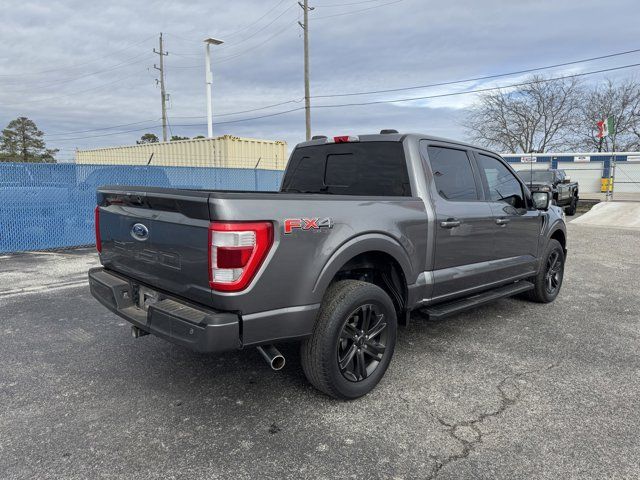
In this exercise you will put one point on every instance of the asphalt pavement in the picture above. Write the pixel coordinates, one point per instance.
(511, 390)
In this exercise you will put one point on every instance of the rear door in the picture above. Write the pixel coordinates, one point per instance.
(516, 223)
(464, 221)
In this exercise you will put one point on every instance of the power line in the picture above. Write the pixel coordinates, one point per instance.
(184, 39)
(249, 110)
(68, 67)
(370, 92)
(424, 97)
(102, 128)
(347, 4)
(481, 90)
(174, 117)
(252, 35)
(63, 95)
(109, 134)
(125, 63)
(233, 34)
(180, 54)
(454, 82)
(261, 28)
(357, 11)
(474, 79)
(243, 52)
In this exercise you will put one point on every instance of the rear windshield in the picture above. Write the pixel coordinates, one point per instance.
(359, 168)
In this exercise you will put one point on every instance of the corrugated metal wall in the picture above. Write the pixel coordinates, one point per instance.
(226, 152)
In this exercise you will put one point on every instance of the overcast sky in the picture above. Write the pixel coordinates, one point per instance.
(79, 68)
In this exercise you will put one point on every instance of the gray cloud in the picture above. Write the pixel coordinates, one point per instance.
(77, 65)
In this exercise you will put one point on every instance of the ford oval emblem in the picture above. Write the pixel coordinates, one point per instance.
(140, 232)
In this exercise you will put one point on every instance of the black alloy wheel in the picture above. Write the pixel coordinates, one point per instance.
(362, 343)
(353, 340)
(553, 274)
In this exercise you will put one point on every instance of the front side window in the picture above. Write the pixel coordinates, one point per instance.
(452, 173)
(501, 184)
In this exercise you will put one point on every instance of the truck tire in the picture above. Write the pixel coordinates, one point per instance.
(571, 209)
(548, 281)
(352, 341)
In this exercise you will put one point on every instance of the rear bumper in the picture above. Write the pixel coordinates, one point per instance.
(172, 319)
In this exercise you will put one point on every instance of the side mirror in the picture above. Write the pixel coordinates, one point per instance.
(541, 200)
(567, 180)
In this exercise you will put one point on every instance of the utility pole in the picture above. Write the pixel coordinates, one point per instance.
(163, 94)
(307, 95)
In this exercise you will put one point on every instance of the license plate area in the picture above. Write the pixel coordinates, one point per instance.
(146, 297)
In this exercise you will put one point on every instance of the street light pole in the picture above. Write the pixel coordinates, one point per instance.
(209, 81)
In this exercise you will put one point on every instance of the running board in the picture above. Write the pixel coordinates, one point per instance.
(442, 310)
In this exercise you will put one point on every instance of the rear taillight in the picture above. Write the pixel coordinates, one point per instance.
(97, 223)
(236, 251)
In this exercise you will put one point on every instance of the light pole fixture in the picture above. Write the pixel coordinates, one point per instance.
(209, 80)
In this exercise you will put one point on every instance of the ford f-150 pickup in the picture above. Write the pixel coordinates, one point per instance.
(563, 191)
(363, 231)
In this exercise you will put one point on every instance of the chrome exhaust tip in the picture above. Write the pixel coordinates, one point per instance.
(273, 356)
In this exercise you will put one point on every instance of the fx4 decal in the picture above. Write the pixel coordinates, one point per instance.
(291, 224)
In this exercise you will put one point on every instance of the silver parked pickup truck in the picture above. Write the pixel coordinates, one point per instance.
(363, 231)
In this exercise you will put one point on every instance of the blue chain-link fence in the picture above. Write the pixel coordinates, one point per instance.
(49, 206)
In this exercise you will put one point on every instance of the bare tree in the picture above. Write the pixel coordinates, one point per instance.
(621, 100)
(535, 117)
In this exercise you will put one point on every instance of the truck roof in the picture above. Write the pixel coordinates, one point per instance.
(399, 137)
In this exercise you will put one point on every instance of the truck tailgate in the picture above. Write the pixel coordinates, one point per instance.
(158, 237)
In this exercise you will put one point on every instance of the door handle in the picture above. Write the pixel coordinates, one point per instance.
(450, 223)
(502, 221)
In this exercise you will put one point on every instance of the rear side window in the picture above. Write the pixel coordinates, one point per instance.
(501, 184)
(358, 168)
(306, 170)
(452, 173)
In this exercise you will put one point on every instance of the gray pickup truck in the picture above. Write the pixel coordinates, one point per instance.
(363, 231)
(563, 191)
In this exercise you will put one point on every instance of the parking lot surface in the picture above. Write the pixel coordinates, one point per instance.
(510, 390)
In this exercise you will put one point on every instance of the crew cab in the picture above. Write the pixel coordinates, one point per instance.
(563, 191)
(364, 230)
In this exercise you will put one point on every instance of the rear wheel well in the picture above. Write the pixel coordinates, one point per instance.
(382, 270)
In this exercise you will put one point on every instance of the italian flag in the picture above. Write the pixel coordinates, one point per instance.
(605, 127)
